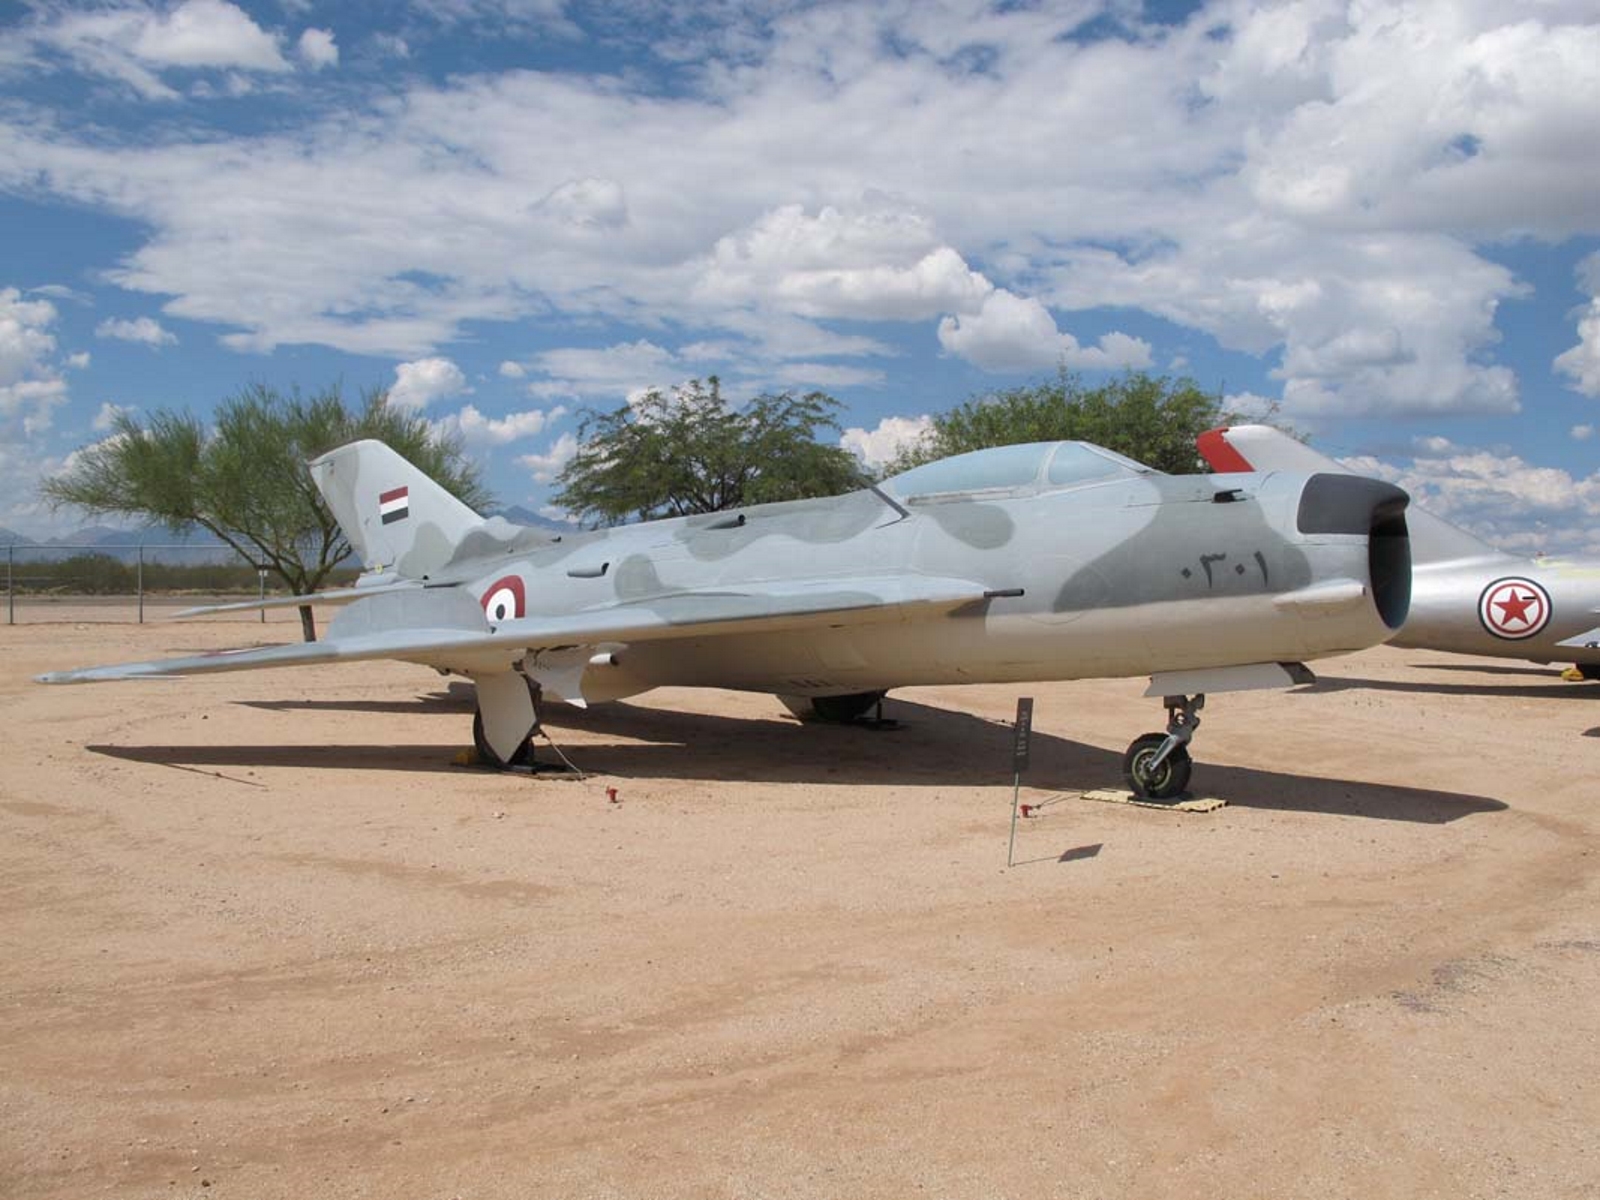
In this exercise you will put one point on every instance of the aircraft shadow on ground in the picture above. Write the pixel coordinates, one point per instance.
(1549, 673)
(930, 747)
(456, 697)
(1558, 689)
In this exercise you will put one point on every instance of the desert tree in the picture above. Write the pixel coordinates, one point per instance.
(1149, 418)
(689, 450)
(243, 477)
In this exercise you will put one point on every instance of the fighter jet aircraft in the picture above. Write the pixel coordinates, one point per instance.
(1466, 596)
(1028, 562)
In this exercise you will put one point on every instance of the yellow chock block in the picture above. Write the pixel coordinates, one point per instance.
(1198, 804)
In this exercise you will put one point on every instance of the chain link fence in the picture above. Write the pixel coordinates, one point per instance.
(45, 582)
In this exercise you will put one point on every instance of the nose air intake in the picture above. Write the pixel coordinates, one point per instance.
(1350, 504)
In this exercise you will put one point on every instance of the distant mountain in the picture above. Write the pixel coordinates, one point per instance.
(147, 535)
(109, 535)
(518, 515)
(193, 545)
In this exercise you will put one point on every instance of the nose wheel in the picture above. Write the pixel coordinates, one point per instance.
(1157, 765)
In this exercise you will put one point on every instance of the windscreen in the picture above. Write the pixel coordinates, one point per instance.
(1052, 464)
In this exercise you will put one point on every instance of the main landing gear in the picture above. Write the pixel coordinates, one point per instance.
(833, 710)
(487, 756)
(517, 707)
(1157, 765)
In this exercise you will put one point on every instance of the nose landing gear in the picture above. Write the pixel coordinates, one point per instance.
(1157, 765)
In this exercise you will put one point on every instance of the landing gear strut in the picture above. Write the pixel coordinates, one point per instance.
(1157, 765)
(487, 756)
(523, 754)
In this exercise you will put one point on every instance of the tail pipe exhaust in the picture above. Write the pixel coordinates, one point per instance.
(1354, 505)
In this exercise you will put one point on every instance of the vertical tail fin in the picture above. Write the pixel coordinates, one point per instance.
(396, 517)
(1263, 448)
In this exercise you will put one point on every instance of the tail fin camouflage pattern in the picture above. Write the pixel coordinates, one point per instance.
(396, 517)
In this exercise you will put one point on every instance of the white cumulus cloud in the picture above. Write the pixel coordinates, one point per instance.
(880, 262)
(1508, 501)
(1320, 182)
(476, 429)
(593, 205)
(141, 44)
(1582, 362)
(31, 388)
(608, 371)
(418, 384)
(107, 416)
(545, 467)
(144, 330)
(879, 445)
(205, 33)
(1017, 333)
(317, 49)
(30, 381)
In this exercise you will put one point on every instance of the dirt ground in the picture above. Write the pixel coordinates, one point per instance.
(261, 938)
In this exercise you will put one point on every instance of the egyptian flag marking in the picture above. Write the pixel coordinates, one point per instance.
(394, 505)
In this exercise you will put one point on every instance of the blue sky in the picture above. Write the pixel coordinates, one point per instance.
(1383, 219)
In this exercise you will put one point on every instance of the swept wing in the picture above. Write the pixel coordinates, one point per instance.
(445, 627)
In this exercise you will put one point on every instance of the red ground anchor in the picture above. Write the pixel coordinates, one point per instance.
(611, 795)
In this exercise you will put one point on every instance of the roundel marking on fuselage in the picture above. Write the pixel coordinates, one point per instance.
(1514, 608)
(506, 599)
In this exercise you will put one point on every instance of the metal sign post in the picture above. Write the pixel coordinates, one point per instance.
(1019, 764)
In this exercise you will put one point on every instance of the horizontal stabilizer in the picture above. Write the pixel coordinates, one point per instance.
(331, 596)
(1583, 641)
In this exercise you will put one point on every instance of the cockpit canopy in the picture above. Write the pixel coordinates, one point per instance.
(1041, 465)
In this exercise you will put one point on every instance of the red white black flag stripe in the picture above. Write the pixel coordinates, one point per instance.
(394, 505)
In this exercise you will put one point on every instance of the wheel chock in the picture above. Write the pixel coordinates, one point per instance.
(1199, 804)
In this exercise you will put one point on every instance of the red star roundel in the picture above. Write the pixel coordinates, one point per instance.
(1514, 608)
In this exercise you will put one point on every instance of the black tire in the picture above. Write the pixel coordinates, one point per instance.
(1168, 780)
(486, 752)
(834, 710)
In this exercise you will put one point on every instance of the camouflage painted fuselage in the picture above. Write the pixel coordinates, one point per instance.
(1466, 596)
(1126, 576)
(1049, 561)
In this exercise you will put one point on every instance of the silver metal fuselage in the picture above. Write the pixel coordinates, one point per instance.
(1446, 599)
(1466, 597)
(1122, 577)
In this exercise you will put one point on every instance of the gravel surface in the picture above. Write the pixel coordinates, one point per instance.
(262, 938)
